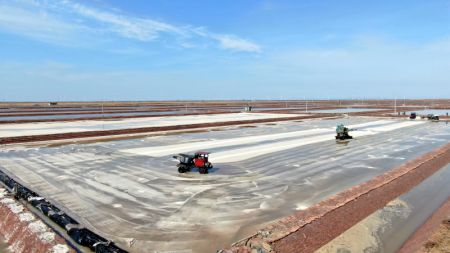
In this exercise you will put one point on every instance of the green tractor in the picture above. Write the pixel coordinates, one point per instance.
(342, 133)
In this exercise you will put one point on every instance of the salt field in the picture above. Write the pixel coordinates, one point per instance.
(92, 115)
(345, 110)
(11, 130)
(130, 190)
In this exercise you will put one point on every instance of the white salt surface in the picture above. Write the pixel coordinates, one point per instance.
(37, 227)
(158, 151)
(60, 248)
(15, 208)
(11, 130)
(7, 201)
(236, 155)
(295, 139)
(47, 236)
(3, 193)
(26, 216)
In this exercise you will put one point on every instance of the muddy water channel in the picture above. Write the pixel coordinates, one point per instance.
(3, 246)
(420, 202)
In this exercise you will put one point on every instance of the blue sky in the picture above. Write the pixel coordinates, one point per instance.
(222, 49)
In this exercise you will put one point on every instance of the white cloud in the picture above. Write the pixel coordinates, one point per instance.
(235, 43)
(56, 21)
(38, 25)
(129, 27)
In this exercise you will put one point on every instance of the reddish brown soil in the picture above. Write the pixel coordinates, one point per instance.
(439, 242)
(308, 230)
(19, 236)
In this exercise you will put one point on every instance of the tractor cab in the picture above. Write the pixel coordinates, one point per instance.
(200, 159)
(342, 133)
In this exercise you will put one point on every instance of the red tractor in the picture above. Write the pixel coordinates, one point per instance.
(198, 160)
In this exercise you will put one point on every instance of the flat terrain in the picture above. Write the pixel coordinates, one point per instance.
(11, 130)
(130, 190)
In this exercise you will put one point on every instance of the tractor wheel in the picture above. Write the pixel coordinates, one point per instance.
(181, 169)
(203, 170)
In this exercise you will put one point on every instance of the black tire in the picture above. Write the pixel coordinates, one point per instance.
(181, 169)
(203, 170)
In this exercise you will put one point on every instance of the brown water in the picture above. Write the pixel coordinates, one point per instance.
(3, 246)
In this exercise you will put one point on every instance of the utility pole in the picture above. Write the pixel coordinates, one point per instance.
(103, 116)
(306, 105)
(395, 105)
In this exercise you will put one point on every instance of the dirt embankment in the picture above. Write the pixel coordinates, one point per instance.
(24, 232)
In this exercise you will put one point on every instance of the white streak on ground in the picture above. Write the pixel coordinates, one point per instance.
(240, 154)
(159, 151)
(26, 217)
(60, 248)
(12, 130)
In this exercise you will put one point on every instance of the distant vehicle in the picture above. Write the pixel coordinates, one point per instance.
(433, 117)
(198, 160)
(342, 133)
(413, 115)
